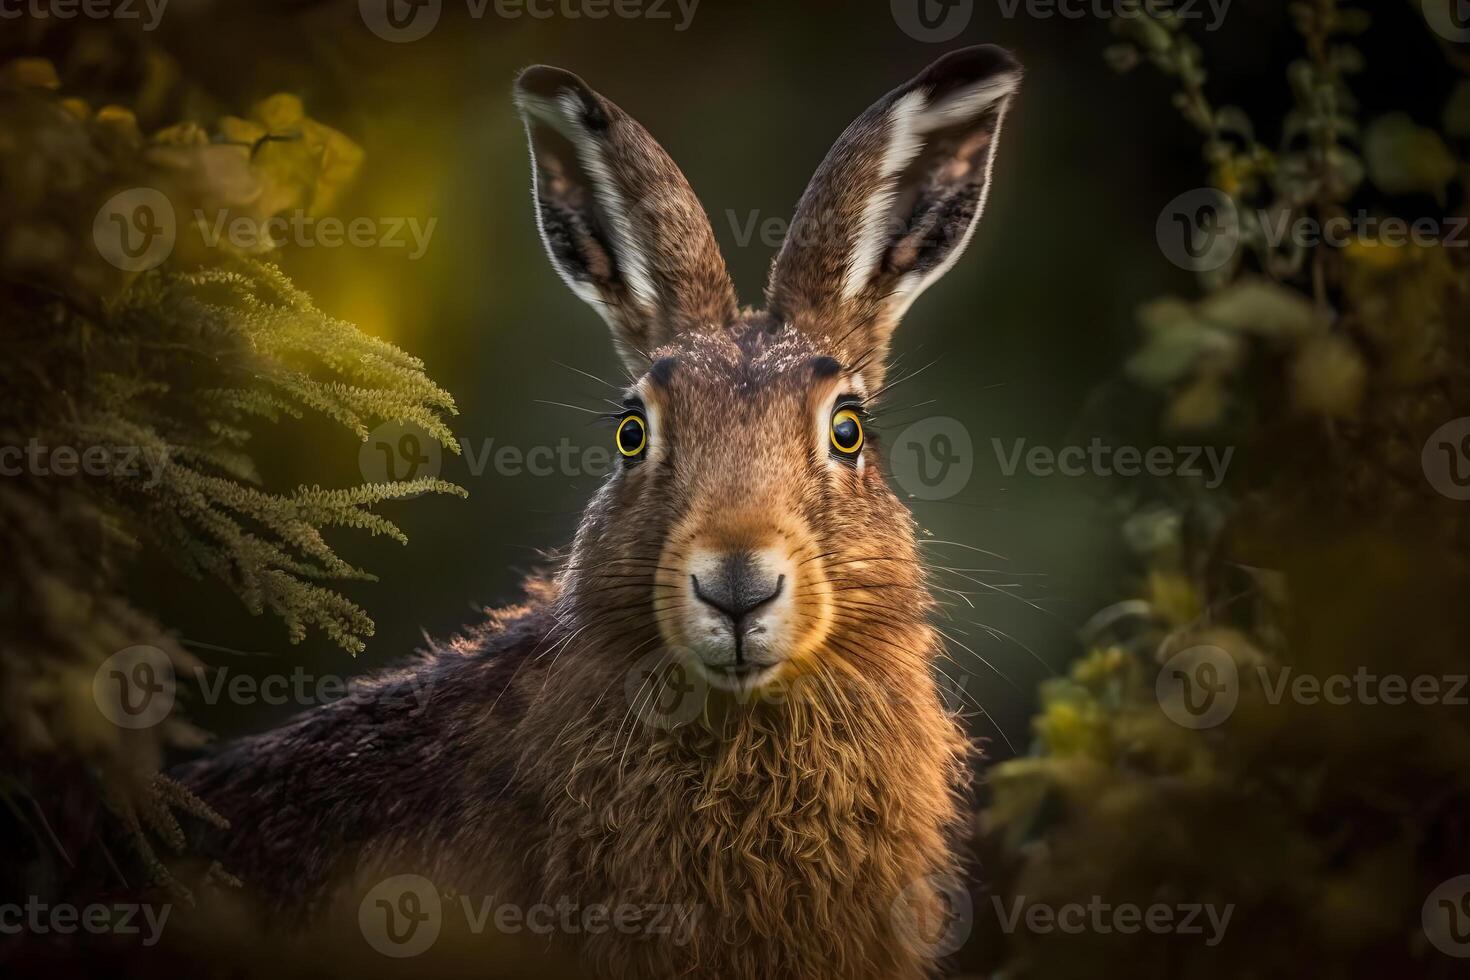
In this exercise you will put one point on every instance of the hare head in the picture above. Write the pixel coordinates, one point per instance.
(748, 523)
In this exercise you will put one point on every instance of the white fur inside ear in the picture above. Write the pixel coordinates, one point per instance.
(904, 144)
(966, 103)
(565, 116)
(913, 117)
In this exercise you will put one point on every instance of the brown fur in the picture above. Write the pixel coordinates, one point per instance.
(803, 822)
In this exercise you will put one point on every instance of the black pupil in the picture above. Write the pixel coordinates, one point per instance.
(630, 434)
(846, 431)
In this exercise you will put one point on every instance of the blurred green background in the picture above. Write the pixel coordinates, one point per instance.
(1025, 335)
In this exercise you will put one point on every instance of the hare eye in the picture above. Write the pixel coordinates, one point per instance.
(847, 432)
(632, 436)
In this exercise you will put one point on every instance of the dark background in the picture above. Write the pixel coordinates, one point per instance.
(1026, 334)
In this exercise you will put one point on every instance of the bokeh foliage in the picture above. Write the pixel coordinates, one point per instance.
(178, 368)
(1325, 826)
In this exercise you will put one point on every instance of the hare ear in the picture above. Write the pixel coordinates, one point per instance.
(895, 202)
(619, 220)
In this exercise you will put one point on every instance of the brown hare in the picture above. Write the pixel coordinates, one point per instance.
(722, 702)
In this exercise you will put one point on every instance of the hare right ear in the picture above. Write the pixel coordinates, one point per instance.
(894, 203)
(619, 221)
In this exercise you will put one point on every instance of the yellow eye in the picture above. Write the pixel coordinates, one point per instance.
(632, 435)
(847, 431)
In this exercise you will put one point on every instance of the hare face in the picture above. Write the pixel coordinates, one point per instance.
(752, 442)
(749, 527)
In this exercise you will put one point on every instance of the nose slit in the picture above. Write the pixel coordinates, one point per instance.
(739, 589)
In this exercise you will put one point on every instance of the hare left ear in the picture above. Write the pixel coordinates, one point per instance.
(619, 221)
(895, 202)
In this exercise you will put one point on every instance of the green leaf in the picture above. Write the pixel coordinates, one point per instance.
(1404, 158)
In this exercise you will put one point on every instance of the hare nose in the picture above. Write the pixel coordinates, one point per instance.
(740, 584)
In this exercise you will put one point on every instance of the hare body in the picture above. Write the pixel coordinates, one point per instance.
(719, 710)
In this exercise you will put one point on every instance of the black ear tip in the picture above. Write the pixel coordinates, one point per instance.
(546, 82)
(968, 65)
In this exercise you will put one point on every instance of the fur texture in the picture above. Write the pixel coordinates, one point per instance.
(577, 747)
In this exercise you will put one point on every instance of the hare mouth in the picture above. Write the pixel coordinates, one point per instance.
(738, 677)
